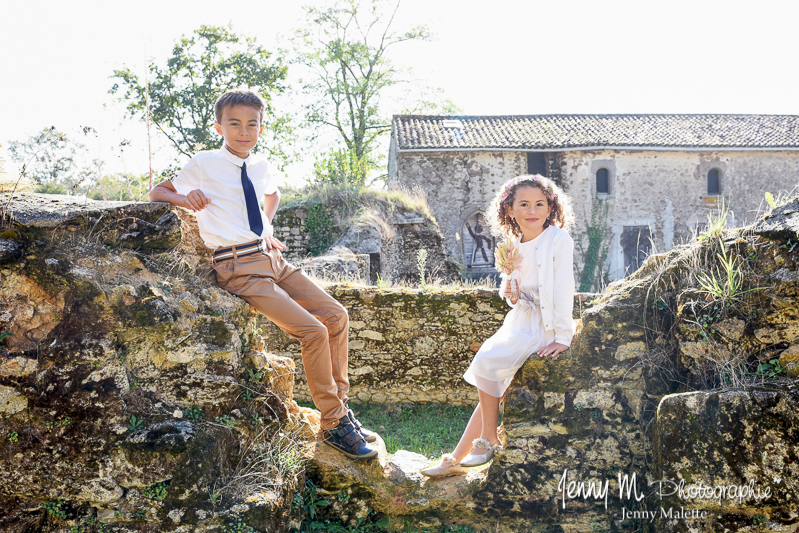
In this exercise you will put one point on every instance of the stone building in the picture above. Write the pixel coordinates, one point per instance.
(650, 181)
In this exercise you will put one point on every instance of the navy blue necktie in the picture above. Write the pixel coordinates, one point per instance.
(253, 211)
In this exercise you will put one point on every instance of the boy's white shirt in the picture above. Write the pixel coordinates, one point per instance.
(217, 173)
(555, 258)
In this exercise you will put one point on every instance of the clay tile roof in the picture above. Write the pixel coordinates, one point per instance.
(420, 132)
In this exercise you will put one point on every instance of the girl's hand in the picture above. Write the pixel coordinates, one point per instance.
(552, 350)
(510, 291)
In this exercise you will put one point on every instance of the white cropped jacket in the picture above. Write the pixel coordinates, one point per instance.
(555, 258)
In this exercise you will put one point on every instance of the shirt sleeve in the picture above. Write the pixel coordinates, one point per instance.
(270, 183)
(189, 177)
(564, 289)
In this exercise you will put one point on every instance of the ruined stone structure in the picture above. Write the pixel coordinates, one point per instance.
(639, 175)
(384, 236)
(130, 399)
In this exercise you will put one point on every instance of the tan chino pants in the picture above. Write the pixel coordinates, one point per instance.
(287, 297)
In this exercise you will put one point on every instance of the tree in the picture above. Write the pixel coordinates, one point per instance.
(347, 55)
(49, 159)
(120, 186)
(202, 67)
(339, 167)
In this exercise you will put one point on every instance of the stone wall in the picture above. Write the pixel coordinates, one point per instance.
(124, 373)
(665, 190)
(123, 379)
(625, 406)
(406, 346)
(409, 346)
(289, 228)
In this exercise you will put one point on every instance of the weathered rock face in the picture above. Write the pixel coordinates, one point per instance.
(124, 393)
(733, 452)
(99, 336)
(580, 425)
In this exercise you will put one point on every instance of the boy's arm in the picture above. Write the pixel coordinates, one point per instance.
(271, 202)
(165, 192)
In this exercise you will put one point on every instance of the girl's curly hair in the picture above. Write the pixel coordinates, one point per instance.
(503, 225)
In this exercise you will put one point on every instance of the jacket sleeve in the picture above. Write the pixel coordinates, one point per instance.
(563, 276)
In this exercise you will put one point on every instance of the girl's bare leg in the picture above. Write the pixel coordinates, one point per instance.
(490, 416)
(472, 431)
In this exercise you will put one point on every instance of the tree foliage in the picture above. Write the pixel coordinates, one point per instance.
(341, 167)
(120, 186)
(204, 65)
(345, 47)
(49, 158)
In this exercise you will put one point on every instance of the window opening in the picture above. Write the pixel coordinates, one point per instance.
(602, 181)
(713, 182)
(537, 163)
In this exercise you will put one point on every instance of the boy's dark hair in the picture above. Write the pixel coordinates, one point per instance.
(233, 97)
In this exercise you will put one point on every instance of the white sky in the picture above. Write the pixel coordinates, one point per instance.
(489, 57)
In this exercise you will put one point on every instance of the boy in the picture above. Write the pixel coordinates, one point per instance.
(223, 187)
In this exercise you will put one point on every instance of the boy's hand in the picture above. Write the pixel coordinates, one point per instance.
(272, 243)
(196, 200)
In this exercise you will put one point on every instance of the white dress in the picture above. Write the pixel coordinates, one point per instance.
(522, 333)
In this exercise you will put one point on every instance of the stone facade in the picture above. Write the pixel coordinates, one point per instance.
(667, 191)
(664, 191)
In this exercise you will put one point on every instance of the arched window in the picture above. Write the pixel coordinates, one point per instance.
(602, 181)
(713, 182)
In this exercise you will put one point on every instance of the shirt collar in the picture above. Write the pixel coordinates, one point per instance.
(233, 158)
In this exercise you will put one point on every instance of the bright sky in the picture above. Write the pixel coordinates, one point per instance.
(497, 57)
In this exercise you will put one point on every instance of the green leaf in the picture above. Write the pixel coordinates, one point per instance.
(770, 200)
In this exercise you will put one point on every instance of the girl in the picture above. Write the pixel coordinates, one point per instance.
(531, 212)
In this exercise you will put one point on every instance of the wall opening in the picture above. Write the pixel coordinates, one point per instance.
(478, 243)
(713, 182)
(602, 181)
(636, 244)
(537, 163)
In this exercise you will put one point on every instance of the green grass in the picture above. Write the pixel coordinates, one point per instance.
(429, 429)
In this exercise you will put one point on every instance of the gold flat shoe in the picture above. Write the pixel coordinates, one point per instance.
(445, 471)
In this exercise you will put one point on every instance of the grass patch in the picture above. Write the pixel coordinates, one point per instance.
(430, 429)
